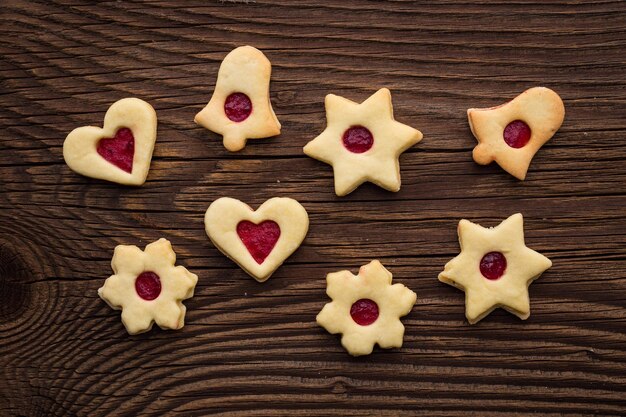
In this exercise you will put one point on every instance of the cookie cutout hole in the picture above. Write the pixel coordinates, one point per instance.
(259, 239)
(148, 285)
(358, 139)
(237, 107)
(119, 150)
(517, 134)
(364, 312)
(493, 265)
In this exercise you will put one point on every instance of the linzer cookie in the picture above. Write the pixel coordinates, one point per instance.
(366, 308)
(147, 287)
(258, 241)
(494, 268)
(512, 133)
(240, 108)
(121, 150)
(362, 142)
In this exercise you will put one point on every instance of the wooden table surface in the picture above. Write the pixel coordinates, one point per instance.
(251, 349)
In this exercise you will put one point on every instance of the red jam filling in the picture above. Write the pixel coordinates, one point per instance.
(364, 312)
(493, 265)
(358, 139)
(517, 134)
(259, 238)
(119, 150)
(237, 107)
(148, 285)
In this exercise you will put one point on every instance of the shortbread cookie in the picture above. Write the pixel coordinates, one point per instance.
(366, 309)
(120, 151)
(147, 287)
(362, 142)
(494, 268)
(512, 133)
(240, 108)
(258, 241)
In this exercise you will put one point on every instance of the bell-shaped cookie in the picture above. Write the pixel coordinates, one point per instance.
(240, 108)
(512, 133)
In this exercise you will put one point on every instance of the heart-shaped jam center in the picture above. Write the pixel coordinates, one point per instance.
(364, 312)
(517, 134)
(119, 150)
(260, 238)
(148, 285)
(358, 139)
(237, 107)
(493, 265)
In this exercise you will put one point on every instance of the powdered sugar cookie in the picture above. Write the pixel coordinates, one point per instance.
(362, 142)
(366, 308)
(240, 108)
(121, 150)
(258, 241)
(512, 133)
(147, 287)
(494, 268)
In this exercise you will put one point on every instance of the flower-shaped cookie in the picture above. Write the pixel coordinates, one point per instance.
(511, 134)
(494, 268)
(121, 150)
(362, 142)
(366, 308)
(240, 108)
(147, 287)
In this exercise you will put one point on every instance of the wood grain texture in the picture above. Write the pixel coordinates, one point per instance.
(252, 349)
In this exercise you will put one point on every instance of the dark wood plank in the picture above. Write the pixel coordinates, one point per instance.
(254, 349)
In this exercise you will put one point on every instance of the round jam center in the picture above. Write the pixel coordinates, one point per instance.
(517, 134)
(237, 107)
(358, 139)
(148, 285)
(119, 150)
(364, 312)
(493, 265)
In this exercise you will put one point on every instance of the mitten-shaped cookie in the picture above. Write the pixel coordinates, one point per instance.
(240, 108)
(512, 133)
(121, 150)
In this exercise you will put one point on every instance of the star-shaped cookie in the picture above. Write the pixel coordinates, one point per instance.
(362, 142)
(366, 308)
(494, 268)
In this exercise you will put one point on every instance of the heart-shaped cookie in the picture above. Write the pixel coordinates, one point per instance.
(258, 241)
(120, 151)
